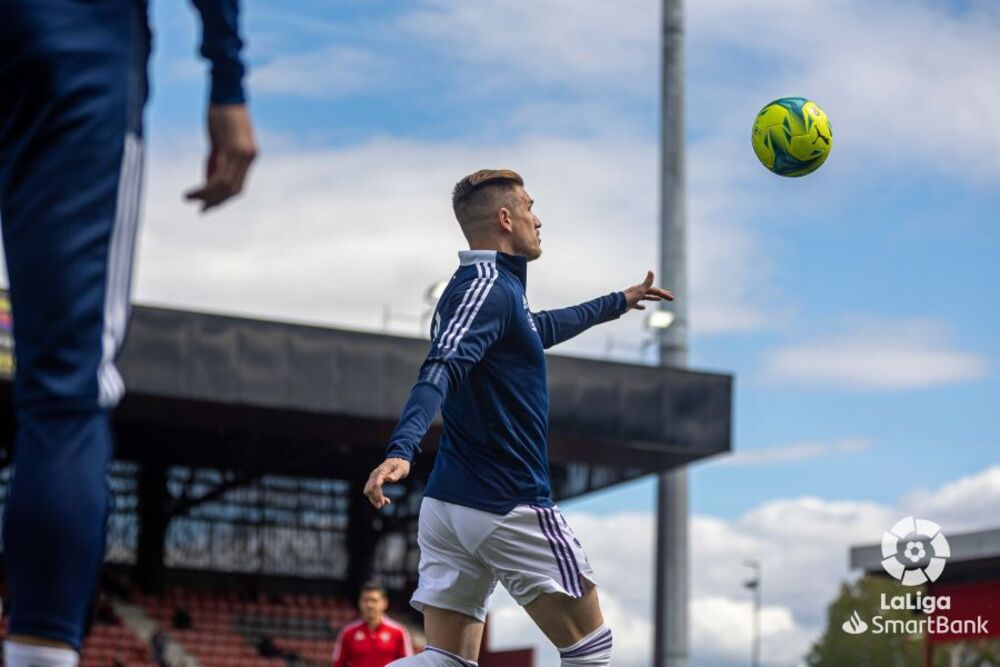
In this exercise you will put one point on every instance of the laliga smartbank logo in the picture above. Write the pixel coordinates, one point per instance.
(914, 552)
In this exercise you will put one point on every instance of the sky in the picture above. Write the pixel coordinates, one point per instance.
(856, 307)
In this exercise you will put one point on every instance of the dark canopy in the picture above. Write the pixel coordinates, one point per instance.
(222, 412)
(240, 393)
(338, 394)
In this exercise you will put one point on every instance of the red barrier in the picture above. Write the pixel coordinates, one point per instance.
(969, 603)
(516, 658)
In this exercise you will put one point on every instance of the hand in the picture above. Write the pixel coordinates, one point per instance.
(233, 148)
(645, 291)
(390, 470)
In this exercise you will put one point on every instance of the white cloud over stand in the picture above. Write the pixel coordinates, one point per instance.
(802, 544)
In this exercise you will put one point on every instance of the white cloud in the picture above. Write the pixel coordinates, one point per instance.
(719, 625)
(607, 55)
(890, 96)
(962, 505)
(879, 354)
(511, 628)
(799, 451)
(801, 542)
(331, 236)
(803, 546)
(894, 102)
(563, 43)
(329, 72)
(732, 286)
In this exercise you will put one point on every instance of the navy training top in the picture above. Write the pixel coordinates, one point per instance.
(486, 372)
(221, 46)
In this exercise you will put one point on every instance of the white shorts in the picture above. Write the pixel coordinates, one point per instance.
(464, 552)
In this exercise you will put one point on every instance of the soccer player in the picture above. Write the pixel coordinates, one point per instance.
(374, 640)
(487, 513)
(72, 92)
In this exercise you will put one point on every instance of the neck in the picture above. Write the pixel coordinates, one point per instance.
(373, 623)
(500, 245)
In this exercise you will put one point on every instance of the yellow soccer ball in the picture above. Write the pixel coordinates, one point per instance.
(792, 136)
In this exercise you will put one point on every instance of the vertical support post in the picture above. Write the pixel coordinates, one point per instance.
(671, 607)
(755, 585)
(362, 536)
(153, 522)
(756, 626)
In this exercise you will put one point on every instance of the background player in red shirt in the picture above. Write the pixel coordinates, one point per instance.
(374, 640)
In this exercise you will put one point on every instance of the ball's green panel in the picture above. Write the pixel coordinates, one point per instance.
(792, 136)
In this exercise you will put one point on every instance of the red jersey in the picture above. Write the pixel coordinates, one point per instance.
(360, 646)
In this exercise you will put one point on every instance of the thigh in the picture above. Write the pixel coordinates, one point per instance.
(72, 90)
(451, 578)
(533, 552)
(540, 561)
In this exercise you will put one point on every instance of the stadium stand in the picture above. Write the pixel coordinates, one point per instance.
(223, 629)
(228, 630)
(109, 643)
(242, 449)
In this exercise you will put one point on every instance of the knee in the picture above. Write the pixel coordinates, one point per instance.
(57, 374)
(60, 345)
(60, 467)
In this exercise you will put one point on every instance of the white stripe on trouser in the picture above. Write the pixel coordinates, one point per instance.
(118, 284)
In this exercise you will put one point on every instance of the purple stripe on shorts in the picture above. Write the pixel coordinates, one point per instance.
(600, 643)
(572, 557)
(552, 545)
(550, 532)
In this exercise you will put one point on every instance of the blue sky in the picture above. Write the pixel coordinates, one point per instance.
(856, 307)
(888, 246)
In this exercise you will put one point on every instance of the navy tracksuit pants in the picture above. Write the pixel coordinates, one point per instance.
(72, 91)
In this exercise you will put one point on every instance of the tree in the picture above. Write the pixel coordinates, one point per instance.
(983, 653)
(838, 648)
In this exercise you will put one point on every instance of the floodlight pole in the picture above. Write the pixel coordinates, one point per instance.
(755, 585)
(671, 612)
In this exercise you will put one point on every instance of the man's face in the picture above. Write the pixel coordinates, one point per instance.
(372, 605)
(525, 225)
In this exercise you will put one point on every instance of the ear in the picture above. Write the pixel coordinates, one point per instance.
(503, 219)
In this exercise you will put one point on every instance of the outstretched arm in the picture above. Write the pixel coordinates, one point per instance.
(556, 326)
(470, 324)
